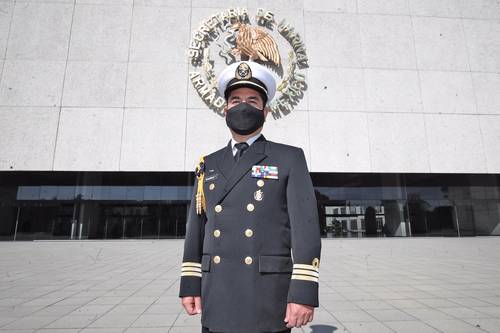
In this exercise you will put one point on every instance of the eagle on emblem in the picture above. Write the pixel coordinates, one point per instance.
(255, 43)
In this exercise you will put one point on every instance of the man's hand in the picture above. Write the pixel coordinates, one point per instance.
(298, 314)
(191, 304)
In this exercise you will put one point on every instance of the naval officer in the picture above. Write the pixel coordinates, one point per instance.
(252, 246)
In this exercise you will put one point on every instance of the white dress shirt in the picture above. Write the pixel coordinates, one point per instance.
(249, 141)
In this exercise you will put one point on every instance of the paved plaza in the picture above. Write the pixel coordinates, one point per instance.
(366, 285)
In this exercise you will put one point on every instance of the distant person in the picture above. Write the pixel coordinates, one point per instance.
(370, 221)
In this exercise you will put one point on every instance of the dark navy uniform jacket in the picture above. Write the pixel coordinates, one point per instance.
(257, 246)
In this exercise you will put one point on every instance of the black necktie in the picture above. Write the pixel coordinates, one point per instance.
(242, 146)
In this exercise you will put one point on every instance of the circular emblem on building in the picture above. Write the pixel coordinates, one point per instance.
(233, 35)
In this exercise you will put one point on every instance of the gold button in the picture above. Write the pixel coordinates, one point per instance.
(260, 183)
(216, 259)
(248, 260)
(250, 207)
(315, 263)
(249, 233)
(218, 208)
(211, 187)
(216, 232)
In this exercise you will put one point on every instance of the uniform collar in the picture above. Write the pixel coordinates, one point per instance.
(249, 141)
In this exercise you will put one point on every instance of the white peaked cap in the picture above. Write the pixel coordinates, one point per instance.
(247, 74)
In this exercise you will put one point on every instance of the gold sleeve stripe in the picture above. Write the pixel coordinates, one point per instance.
(304, 266)
(189, 263)
(191, 274)
(305, 272)
(304, 277)
(193, 269)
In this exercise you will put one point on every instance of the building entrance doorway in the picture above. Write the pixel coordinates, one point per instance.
(433, 218)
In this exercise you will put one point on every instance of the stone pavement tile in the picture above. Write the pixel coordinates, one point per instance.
(347, 289)
(428, 314)
(331, 297)
(140, 300)
(470, 301)
(453, 326)
(164, 308)
(15, 301)
(125, 309)
(437, 302)
(183, 329)
(114, 320)
(410, 327)
(490, 325)
(125, 293)
(55, 310)
(464, 313)
(72, 321)
(389, 295)
(455, 286)
(61, 294)
(336, 283)
(372, 289)
(187, 320)
(322, 317)
(429, 287)
(4, 320)
(373, 305)
(96, 309)
(373, 327)
(405, 304)
(106, 300)
(338, 305)
(102, 330)
(18, 311)
(76, 301)
(89, 294)
(492, 299)
(401, 287)
(358, 296)
(59, 330)
(155, 320)
(353, 316)
(476, 293)
(445, 294)
(493, 311)
(390, 315)
(417, 294)
(29, 322)
(42, 301)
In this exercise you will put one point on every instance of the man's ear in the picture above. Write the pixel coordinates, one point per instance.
(225, 110)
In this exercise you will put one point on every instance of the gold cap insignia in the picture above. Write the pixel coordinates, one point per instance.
(243, 71)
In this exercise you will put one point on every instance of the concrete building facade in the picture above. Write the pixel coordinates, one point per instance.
(401, 95)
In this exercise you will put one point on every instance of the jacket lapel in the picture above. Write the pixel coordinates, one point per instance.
(254, 154)
(226, 163)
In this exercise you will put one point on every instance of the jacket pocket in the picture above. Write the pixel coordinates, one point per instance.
(205, 262)
(275, 264)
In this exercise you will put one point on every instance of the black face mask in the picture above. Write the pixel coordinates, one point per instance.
(244, 118)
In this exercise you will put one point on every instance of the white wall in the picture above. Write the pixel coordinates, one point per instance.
(393, 85)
